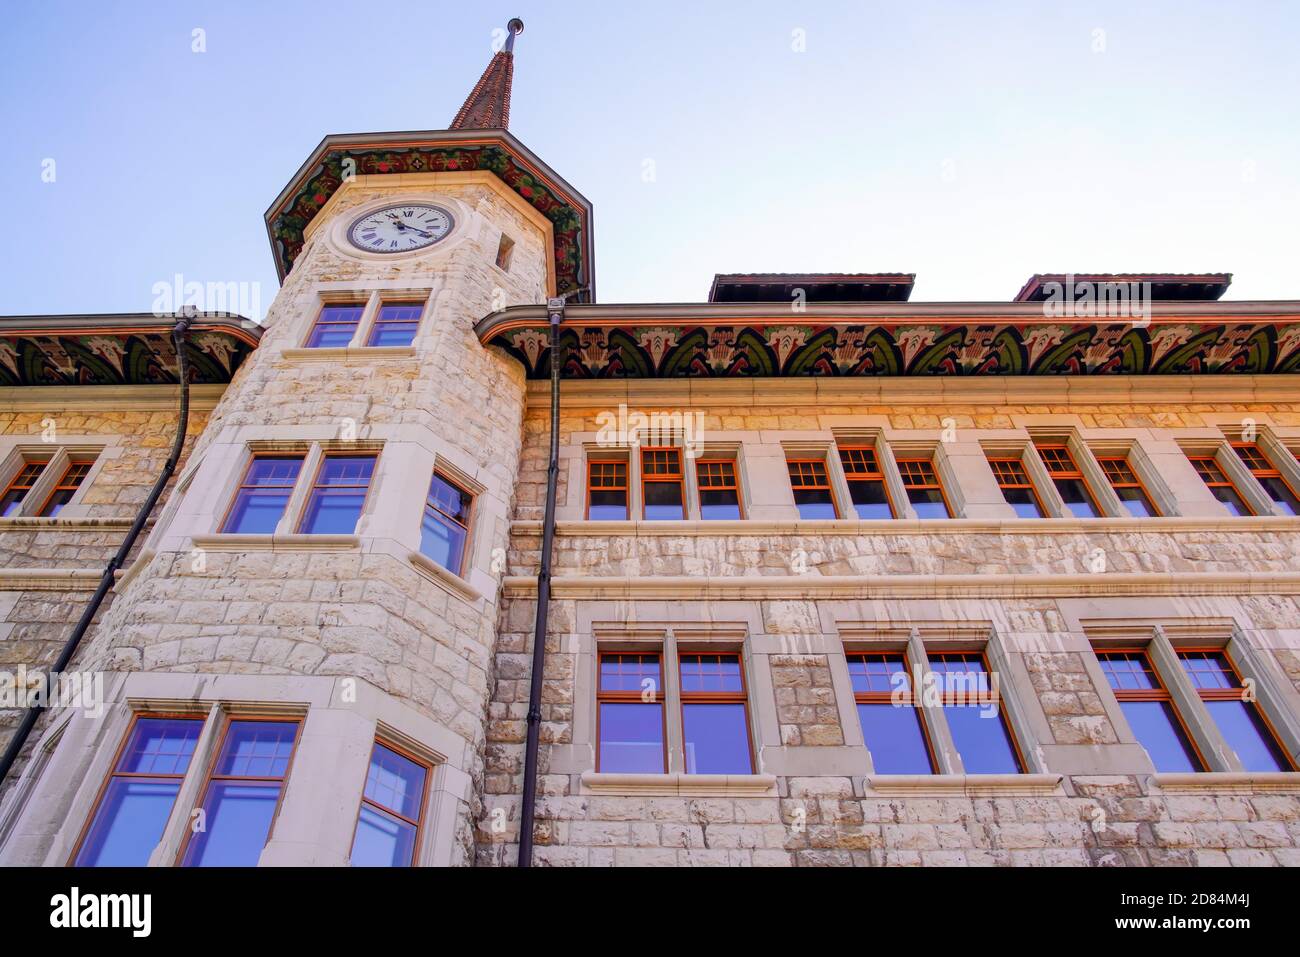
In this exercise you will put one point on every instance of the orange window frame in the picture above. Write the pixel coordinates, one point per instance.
(625, 488)
(740, 697)
(887, 697)
(806, 473)
(861, 464)
(633, 697)
(722, 466)
(1055, 456)
(136, 717)
(31, 472)
(1264, 471)
(667, 455)
(243, 483)
(950, 698)
(1158, 693)
(1009, 467)
(912, 469)
(1232, 694)
(210, 775)
(1121, 474)
(66, 482)
(418, 824)
(365, 499)
(1207, 466)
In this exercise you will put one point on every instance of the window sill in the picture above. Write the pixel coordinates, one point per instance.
(972, 785)
(237, 542)
(1229, 781)
(684, 785)
(349, 354)
(441, 576)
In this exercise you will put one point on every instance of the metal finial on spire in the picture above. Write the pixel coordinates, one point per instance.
(513, 29)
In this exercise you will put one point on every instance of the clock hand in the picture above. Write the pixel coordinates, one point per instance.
(402, 225)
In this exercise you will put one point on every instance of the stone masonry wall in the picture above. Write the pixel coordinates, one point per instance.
(35, 623)
(1105, 812)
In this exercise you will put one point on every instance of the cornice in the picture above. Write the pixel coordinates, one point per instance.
(807, 587)
(109, 398)
(885, 390)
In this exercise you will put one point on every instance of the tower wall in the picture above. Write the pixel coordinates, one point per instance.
(356, 635)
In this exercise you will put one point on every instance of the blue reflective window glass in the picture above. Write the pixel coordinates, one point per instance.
(263, 495)
(239, 804)
(382, 840)
(445, 526)
(895, 737)
(335, 326)
(396, 324)
(134, 809)
(1242, 727)
(980, 735)
(390, 810)
(1157, 729)
(716, 736)
(338, 495)
(632, 737)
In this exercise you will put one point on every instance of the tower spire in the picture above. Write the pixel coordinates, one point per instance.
(488, 105)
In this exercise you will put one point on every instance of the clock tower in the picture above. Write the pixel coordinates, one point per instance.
(332, 554)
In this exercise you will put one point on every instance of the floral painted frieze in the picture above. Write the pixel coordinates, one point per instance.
(129, 359)
(618, 351)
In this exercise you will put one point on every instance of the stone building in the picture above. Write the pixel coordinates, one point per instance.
(838, 577)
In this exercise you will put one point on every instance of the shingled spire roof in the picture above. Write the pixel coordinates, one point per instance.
(488, 105)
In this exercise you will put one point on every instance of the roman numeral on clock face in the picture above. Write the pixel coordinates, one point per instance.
(396, 229)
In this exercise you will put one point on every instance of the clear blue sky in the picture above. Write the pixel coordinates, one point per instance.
(970, 143)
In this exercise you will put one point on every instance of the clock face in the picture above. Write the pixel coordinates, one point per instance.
(401, 228)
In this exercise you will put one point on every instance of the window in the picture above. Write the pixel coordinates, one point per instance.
(661, 484)
(719, 490)
(335, 326)
(505, 252)
(22, 483)
(138, 796)
(1219, 484)
(242, 793)
(1149, 710)
(924, 490)
(338, 495)
(607, 490)
(1069, 481)
(1132, 494)
(812, 488)
(1274, 484)
(1017, 489)
(974, 714)
(392, 804)
(1239, 721)
(891, 719)
(630, 714)
(263, 495)
(396, 324)
(715, 724)
(867, 488)
(69, 482)
(446, 524)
